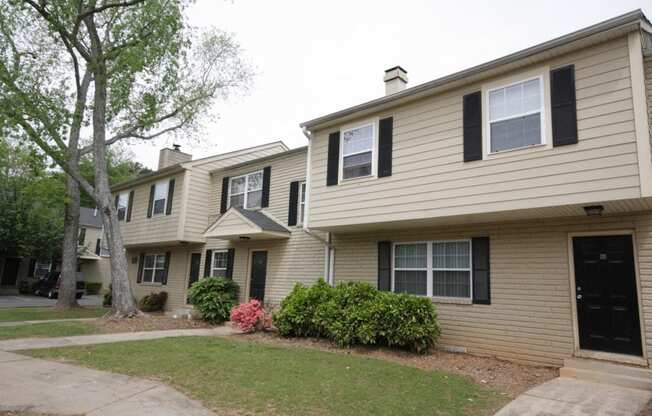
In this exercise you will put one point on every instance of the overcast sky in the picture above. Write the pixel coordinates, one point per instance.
(316, 57)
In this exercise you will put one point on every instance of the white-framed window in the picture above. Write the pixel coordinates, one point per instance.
(358, 151)
(219, 262)
(516, 116)
(302, 202)
(160, 197)
(246, 191)
(153, 268)
(123, 202)
(433, 268)
(41, 269)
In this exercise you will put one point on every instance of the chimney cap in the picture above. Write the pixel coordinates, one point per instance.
(176, 147)
(396, 67)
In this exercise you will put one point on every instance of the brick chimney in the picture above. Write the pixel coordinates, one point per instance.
(169, 157)
(395, 80)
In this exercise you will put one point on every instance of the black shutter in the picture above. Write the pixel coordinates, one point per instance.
(207, 263)
(472, 119)
(152, 189)
(98, 246)
(130, 205)
(141, 264)
(267, 173)
(385, 265)
(230, 257)
(32, 267)
(294, 203)
(167, 268)
(225, 194)
(385, 132)
(564, 111)
(333, 166)
(481, 279)
(82, 236)
(117, 200)
(168, 208)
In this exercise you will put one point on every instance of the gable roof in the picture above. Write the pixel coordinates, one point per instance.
(599, 32)
(261, 220)
(238, 223)
(90, 217)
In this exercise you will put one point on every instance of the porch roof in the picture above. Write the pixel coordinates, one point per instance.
(243, 224)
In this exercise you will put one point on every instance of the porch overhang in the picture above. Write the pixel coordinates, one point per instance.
(88, 256)
(239, 224)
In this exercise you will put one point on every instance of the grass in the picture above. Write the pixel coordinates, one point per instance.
(250, 377)
(54, 329)
(46, 313)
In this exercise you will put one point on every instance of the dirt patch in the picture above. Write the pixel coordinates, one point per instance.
(149, 322)
(21, 413)
(509, 378)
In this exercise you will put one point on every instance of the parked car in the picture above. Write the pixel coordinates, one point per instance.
(48, 286)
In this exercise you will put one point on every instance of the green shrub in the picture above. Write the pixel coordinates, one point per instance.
(297, 314)
(358, 314)
(214, 297)
(108, 297)
(153, 302)
(93, 288)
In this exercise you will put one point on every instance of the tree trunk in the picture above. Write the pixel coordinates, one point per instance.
(124, 301)
(67, 287)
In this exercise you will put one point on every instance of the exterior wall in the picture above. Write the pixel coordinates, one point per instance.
(143, 230)
(97, 271)
(431, 180)
(530, 317)
(647, 65)
(177, 275)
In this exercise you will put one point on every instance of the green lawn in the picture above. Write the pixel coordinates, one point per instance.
(54, 329)
(250, 377)
(37, 314)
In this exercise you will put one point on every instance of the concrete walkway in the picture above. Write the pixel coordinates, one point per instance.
(39, 343)
(570, 397)
(44, 321)
(19, 301)
(29, 384)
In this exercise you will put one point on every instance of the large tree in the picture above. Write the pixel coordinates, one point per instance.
(151, 74)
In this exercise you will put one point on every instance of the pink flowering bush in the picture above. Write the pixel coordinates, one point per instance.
(250, 316)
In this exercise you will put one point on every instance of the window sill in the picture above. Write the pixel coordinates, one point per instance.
(150, 284)
(455, 301)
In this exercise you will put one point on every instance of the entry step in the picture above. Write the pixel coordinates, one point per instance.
(607, 372)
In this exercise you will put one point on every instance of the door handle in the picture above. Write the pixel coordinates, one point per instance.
(579, 297)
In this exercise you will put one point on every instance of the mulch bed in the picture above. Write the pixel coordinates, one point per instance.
(146, 322)
(509, 378)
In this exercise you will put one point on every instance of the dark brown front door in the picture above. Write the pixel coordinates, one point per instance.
(10, 272)
(258, 275)
(195, 261)
(607, 304)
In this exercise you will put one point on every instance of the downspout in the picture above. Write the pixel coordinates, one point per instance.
(329, 250)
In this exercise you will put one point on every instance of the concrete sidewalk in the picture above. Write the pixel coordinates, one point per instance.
(570, 397)
(44, 321)
(29, 384)
(39, 343)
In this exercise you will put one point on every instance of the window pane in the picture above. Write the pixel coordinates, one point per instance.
(411, 256)
(413, 282)
(161, 190)
(123, 200)
(219, 259)
(149, 262)
(218, 273)
(514, 100)
(303, 192)
(451, 283)
(496, 104)
(531, 96)
(159, 206)
(237, 200)
(357, 165)
(358, 140)
(160, 262)
(158, 276)
(356, 171)
(255, 182)
(121, 213)
(516, 132)
(254, 199)
(147, 275)
(238, 185)
(451, 255)
(357, 160)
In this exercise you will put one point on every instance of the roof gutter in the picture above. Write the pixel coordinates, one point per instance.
(636, 17)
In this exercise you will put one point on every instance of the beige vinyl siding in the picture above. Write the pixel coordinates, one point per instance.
(177, 274)
(430, 178)
(647, 63)
(158, 228)
(199, 205)
(530, 316)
